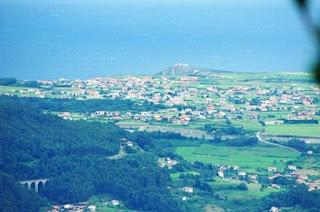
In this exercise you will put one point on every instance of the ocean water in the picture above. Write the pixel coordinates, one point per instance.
(42, 39)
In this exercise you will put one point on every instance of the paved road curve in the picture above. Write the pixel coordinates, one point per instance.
(274, 144)
(120, 154)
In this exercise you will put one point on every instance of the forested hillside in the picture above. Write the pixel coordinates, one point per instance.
(30, 138)
(14, 197)
(73, 156)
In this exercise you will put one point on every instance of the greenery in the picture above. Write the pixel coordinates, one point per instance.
(14, 197)
(142, 184)
(30, 140)
(72, 155)
(251, 158)
(83, 106)
(239, 141)
(297, 196)
(294, 130)
(298, 144)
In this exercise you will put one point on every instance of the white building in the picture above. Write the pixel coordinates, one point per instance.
(188, 189)
(115, 202)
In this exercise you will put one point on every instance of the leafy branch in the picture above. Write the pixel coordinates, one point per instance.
(304, 9)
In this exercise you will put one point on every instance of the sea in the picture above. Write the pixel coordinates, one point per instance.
(80, 39)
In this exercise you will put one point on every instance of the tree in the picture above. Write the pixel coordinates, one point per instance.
(242, 186)
(298, 144)
(14, 197)
(304, 8)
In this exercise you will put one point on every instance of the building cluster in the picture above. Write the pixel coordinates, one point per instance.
(186, 99)
(291, 172)
(167, 162)
(84, 206)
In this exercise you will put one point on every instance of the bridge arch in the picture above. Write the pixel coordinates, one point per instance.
(33, 185)
(41, 185)
(26, 185)
(36, 184)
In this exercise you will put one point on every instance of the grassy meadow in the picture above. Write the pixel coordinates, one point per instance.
(254, 190)
(249, 158)
(307, 130)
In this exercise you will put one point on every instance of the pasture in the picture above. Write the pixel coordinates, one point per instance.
(248, 125)
(303, 130)
(249, 158)
(254, 190)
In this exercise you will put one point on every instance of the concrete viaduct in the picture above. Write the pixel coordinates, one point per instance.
(36, 184)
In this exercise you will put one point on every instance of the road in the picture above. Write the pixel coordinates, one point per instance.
(274, 144)
(120, 154)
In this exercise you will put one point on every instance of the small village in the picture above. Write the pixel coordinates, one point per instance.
(188, 99)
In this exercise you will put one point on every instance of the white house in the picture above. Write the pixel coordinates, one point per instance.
(115, 202)
(92, 208)
(274, 209)
(291, 167)
(272, 169)
(188, 189)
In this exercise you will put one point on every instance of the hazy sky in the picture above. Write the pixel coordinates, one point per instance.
(80, 39)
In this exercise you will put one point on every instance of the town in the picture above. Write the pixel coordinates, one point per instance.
(265, 102)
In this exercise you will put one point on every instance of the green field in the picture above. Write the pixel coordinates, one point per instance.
(272, 115)
(248, 125)
(175, 176)
(254, 190)
(312, 130)
(249, 158)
